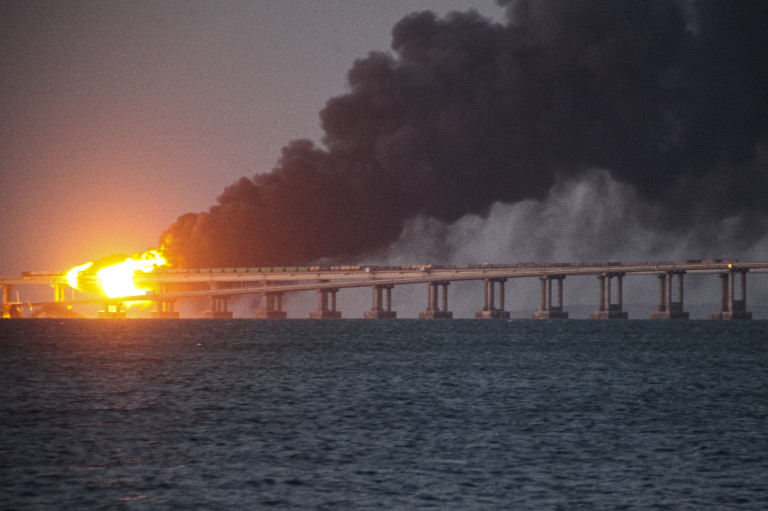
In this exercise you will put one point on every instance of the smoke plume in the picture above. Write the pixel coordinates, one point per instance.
(662, 98)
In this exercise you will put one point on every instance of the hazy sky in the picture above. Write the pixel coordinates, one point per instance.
(117, 117)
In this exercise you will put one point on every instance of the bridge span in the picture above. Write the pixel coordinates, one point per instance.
(219, 285)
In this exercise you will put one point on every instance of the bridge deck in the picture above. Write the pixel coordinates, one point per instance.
(291, 279)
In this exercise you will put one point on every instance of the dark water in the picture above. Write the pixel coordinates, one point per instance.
(249, 414)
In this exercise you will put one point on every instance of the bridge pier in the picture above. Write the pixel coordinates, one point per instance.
(382, 303)
(219, 308)
(608, 310)
(59, 292)
(9, 310)
(112, 311)
(271, 307)
(326, 305)
(669, 309)
(546, 309)
(433, 311)
(490, 311)
(164, 307)
(164, 310)
(729, 307)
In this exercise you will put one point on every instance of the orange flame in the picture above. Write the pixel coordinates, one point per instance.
(117, 280)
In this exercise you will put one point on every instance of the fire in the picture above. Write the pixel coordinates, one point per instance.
(75, 272)
(117, 279)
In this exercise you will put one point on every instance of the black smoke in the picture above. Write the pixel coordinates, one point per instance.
(667, 96)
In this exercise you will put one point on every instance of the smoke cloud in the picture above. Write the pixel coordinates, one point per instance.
(657, 101)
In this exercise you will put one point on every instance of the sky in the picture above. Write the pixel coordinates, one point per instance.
(118, 117)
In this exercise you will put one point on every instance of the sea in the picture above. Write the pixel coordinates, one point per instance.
(383, 414)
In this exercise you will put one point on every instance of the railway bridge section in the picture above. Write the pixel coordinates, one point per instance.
(220, 285)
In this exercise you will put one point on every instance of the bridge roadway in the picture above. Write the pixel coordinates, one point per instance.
(225, 283)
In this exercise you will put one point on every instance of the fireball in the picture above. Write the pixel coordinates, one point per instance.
(75, 272)
(116, 280)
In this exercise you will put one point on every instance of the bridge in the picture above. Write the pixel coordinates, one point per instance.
(219, 285)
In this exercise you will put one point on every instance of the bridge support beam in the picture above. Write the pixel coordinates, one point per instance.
(730, 307)
(164, 307)
(326, 305)
(607, 309)
(219, 308)
(433, 310)
(271, 307)
(382, 303)
(112, 311)
(490, 311)
(669, 309)
(547, 310)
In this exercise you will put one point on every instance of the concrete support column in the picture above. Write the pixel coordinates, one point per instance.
(164, 310)
(547, 310)
(662, 292)
(723, 307)
(59, 292)
(7, 293)
(219, 308)
(730, 291)
(445, 296)
(112, 311)
(490, 310)
(164, 307)
(490, 301)
(601, 306)
(271, 307)
(744, 286)
(434, 310)
(431, 297)
(730, 307)
(668, 307)
(218, 305)
(382, 303)
(326, 304)
(6, 309)
(607, 309)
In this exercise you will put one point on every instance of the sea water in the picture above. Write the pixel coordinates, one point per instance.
(404, 414)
